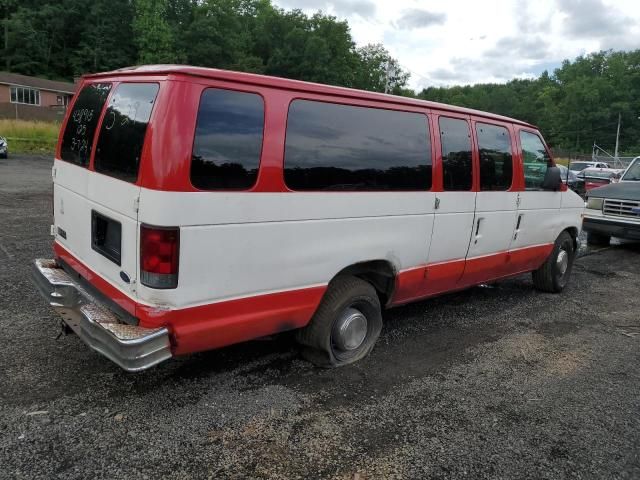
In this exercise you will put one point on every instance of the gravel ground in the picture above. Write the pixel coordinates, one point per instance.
(500, 382)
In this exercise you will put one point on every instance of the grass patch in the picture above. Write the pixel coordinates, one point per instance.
(25, 136)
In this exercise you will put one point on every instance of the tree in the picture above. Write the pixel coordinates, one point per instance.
(152, 33)
(378, 71)
(106, 38)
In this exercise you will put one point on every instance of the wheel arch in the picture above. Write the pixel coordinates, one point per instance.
(381, 274)
(574, 232)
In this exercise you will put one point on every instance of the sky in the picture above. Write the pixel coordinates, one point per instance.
(462, 42)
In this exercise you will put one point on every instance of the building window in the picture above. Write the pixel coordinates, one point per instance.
(27, 96)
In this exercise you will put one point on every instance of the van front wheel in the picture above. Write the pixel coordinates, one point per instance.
(346, 325)
(554, 274)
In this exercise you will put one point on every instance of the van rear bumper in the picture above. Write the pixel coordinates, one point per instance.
(133, 348)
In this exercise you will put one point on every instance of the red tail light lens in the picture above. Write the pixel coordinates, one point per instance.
(159, 256)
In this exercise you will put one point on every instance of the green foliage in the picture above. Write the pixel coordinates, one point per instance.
(377, 70)
(575, 106)
(67, 38)
(30, 136)
(100, 48)
(152, 33)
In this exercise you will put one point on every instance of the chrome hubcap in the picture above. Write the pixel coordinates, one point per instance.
(562, 262)
(350, 330)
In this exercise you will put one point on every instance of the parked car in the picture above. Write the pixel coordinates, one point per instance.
(597, 177)
(219, 207)
(4, 148)
(614, 210)
(580, 166)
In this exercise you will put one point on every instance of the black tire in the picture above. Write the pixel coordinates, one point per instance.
(345, 294)
(598, 239)
(550, 277)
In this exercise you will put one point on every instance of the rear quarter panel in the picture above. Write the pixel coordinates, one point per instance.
(236, 245)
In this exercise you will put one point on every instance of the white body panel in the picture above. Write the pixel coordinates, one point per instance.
(234, 245)
(496, 213)
(76, 193)
(539, 220)
(453, 226)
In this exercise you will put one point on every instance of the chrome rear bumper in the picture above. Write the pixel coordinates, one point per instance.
(132, 347)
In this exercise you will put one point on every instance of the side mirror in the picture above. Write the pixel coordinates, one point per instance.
(552, 179)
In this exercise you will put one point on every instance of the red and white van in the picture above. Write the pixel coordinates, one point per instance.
(196, 208)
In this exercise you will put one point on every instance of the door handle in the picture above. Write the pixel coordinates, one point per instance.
(478, 230)
(515, 235)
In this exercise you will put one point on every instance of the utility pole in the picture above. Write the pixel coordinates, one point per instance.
(386, 79)
(615, 154)
(6, 37)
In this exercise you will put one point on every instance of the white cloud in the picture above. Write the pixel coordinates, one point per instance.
(463, 42)
(417, 18)
(342, 8)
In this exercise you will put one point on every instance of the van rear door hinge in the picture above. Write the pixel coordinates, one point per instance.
(437, 204)
(136, 204)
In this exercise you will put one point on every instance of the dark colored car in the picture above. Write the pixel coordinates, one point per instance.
(597, 177)
(569, 177)
(614, 210)
(4, 148)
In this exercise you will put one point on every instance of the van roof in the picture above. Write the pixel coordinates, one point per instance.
(287, 84)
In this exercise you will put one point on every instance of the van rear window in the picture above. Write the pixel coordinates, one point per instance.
(123, 130)
(79, 133)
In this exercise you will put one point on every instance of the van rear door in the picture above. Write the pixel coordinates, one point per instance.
(96, 189)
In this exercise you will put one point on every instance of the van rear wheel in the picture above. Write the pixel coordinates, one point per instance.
(346, 325)
(554, 274)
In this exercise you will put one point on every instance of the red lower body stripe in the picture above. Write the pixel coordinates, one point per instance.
(437, 278)
(224, 323)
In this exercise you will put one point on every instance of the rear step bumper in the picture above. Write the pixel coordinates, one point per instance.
(132, 347)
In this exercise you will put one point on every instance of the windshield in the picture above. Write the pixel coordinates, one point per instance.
(578, 166)
(633, 173)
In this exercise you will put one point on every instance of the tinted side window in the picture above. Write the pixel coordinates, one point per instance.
(79, 133)
(496, 161)
(535, 160)
(457, 167)
(228, 141)
(123, 130)
(343, 147)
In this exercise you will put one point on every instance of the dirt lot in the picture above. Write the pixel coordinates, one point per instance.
(500, 382)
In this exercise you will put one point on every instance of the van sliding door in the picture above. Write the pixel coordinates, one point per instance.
(455, 205)
(496, 205)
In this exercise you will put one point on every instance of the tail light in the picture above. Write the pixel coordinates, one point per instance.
(159, 256)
